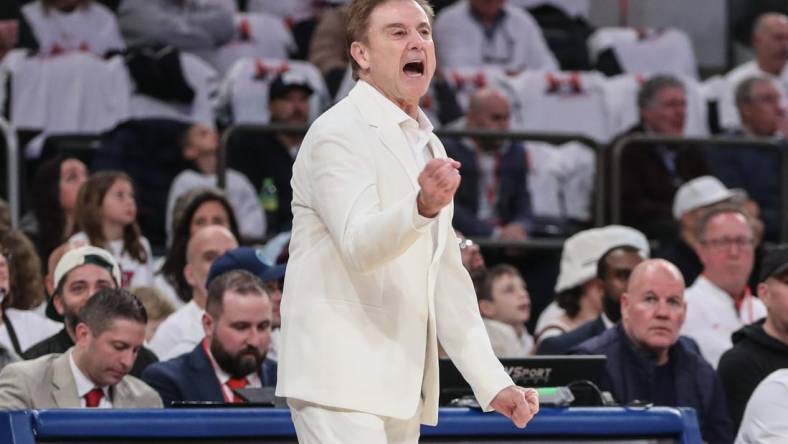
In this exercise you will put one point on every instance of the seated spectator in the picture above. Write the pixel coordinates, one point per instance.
(106, 217)
(505, 307)
(764, 418)
(579, 293)
(720, 302)
(193, 210)
(21, 292)
(55, 188)
(651, 173)
(237, 325)
(692, 199)
(770, 43)
(200, 145)
(327, 49)
(72, 25)
(269, 162)
(180, 332)
(197, 26)
(492, 200)
(94, 373)
(78, 275)
(630, 248)
(484, 32)
(762, 347)
(762, 116)
(157, 306)
(647, 361)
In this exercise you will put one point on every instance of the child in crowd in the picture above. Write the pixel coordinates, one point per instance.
(106, 216)
(200, 144)
(505, 307)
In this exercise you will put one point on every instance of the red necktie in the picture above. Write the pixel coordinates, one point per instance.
(93, 397)
(234, 384)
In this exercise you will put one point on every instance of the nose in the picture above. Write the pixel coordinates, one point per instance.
(127, 360)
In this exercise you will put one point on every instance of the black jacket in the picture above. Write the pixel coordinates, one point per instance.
(753, 357)
(630, 374)
(61, 341)
(560, 345)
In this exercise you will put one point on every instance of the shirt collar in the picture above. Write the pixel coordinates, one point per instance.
(392, 112)
(84, 384)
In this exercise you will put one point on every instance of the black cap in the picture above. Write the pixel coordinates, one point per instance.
(289, 81)
(775, 261)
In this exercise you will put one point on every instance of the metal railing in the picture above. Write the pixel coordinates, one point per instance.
(230, 135)
(615, 195)
(12, 169)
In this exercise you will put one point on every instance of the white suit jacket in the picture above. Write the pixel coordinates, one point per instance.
(367, 294)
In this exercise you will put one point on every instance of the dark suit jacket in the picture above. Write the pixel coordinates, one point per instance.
(190, 377)
(648, 186)
(264, 157)
(559, 345)
(513, 201)
(61, 341)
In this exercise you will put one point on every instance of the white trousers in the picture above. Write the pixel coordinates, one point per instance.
(318, 424)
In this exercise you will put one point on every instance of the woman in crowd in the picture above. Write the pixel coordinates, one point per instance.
(21, 291)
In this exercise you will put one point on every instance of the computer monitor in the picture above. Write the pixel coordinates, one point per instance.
(533, 371)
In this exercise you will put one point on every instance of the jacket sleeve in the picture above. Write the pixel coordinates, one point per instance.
(344, 190)
(206, 25)
(460, 328)
(716, 425)
(14, 390)
(167, 388)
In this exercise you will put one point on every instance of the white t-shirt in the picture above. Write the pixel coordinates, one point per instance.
(179, 333)
(505, 341)
(712, 317)
(515, 43)
(764, 420)
(29, 326)
(133, 272)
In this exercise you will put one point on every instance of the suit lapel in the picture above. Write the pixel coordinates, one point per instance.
(446, 214)
(64, 388)
(389, 133)
(202, 374)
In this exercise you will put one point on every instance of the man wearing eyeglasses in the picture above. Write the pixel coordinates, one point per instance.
(720, 302)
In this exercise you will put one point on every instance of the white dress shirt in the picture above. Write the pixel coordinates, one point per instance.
(179, 333)
(84, 385)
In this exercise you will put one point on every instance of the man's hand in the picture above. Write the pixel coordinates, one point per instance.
(439, 181)
(517, 403)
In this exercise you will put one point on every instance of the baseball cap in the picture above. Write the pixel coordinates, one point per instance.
(248, 259)
(86, 254)
(582, 251)
(288, 81)
(775, 261)
(700, 192)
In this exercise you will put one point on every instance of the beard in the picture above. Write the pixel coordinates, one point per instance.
(611, 308)
(247, 360)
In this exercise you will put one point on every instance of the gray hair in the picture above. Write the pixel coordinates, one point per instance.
(648, 92)
(744, 89)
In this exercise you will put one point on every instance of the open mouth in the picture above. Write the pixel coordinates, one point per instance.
(414, 69)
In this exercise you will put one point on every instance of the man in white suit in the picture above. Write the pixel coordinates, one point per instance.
(375, 278)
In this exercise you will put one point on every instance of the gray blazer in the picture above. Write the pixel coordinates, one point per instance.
(47, 382)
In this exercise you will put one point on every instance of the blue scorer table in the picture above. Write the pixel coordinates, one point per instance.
(659, 425)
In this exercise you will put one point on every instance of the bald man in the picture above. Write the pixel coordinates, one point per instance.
(183, 330)
(770, 44)
(647, 360)
(492, 200)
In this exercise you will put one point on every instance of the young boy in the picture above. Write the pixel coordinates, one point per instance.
(505, 307)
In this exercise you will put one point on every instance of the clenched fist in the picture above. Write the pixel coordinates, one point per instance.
(439, 181)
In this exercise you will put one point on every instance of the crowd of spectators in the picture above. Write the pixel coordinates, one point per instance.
(685, 293)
